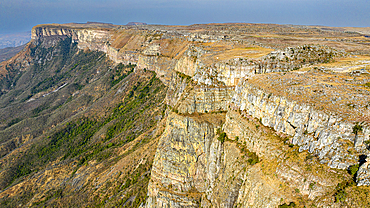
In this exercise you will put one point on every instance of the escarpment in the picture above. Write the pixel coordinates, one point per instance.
(326, 135)
(242, 117)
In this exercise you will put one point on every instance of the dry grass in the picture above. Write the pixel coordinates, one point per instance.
(248, 52)
(135, 42)
(340, 93)
(173, 48)
(222, 52)
(120, 39)
(348, 62)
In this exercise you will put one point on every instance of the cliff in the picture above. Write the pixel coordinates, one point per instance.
(247, 118)
(187, 177)
(320, 133)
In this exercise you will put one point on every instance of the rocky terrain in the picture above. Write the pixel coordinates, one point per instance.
(217, 115)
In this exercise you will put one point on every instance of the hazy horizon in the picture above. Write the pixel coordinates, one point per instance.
(21, 15)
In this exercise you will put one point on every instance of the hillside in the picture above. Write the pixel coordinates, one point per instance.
(7, 53)
(216, 115)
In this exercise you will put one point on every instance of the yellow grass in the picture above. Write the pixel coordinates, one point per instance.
(240, 52)
(348, 61)
(249, 52)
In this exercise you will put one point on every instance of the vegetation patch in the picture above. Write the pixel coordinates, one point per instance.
(184, 76)
(357, 128)
(222, 136)
(120, 72)
(340, 190)
(291, 204)
(353, 169)
(136, 114)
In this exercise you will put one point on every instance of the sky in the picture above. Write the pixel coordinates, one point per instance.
(22, 15)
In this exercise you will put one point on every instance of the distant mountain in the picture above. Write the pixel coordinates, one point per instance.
(136, 23)
(14, 40)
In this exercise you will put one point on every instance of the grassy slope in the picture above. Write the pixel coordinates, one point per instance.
(97, 121)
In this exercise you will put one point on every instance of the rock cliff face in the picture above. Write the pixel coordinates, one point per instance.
(325, 135)
(93, 39)
(203, 99)
(182, 159)
(227, 142)
(194, 168)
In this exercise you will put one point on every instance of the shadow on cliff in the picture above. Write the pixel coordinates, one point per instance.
(353, 169)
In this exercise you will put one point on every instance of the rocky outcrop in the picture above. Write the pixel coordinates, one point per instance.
(181, 165)
(193, 168)
(204, 99)
(363, 174)
(93, 39)
(256, 191)
(236, 127)
(39, 32)
(318, 132)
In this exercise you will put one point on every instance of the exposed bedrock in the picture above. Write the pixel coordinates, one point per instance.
(325, 135)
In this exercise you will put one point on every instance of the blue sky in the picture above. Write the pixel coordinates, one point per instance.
(22, 15)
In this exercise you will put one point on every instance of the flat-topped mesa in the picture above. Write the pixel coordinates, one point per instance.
(322, 130)
(163, 50)
(42, 31)
(47, 30)
(155, 50)
(93, 38)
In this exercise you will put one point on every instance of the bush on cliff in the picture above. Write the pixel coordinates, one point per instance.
(357, 128)
(291, 204)
(222, 137)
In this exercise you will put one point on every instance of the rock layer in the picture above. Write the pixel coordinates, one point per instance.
(318, 132)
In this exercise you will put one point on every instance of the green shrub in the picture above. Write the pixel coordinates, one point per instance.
(14, 121)
(121, 71)
(340, 196)
(312, 184)
(357, 128)
(222, 137)
(253, 161)
(291, 204)
(353, 169)
(184, 76)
